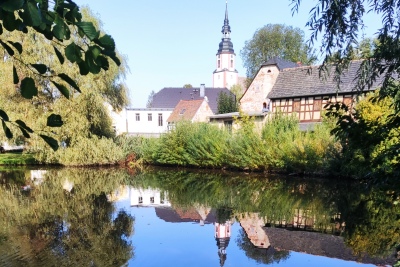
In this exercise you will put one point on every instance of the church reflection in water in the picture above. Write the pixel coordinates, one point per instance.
(300, 234)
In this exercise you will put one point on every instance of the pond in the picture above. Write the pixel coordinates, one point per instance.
(171, 217)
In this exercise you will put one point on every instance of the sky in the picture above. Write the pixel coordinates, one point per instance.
(172, 43)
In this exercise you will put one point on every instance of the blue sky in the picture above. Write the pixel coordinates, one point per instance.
(172, 43)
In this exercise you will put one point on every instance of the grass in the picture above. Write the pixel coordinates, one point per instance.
(16, 158)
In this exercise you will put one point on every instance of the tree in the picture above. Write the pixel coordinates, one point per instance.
(85, 114)
(71, 38)
(226, 103)
(150, 99)
(339, 23)
(238, 91)
(188, 85)
(272, 40)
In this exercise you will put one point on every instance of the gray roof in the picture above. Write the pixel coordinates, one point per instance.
(280, 63)
(169, 97)
(306, 81)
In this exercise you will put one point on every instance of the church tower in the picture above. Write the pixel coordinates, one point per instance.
(225, 74)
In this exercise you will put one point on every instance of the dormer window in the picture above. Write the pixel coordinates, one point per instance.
(268, 71)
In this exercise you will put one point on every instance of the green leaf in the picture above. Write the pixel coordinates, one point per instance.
(89, 59)
(4, 115)
(63, 90)
(31, 14)
(107, 42)
(11, 5)
(73, 53)
(10, 22)
(83, 68)
(24, 133)
(96, 51)
(54, 120)
(41, 68)
(17, 46)
(28, 88)
(22, 124)
(89, 29)
(60, 30)
(7, 130)
(15, 76)
(50, 141)
(103, 62)
(71, 82)
(59, 55)
(9, 50)
(112, 55)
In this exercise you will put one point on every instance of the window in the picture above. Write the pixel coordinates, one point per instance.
(182, 111)
(160, 120)
(152, 200)
(149, 117)
(137, 117)
(140, 200)
(219, 63)
(231, 63)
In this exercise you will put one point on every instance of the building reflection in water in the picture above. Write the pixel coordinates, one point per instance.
(222, 236)
(263, 233)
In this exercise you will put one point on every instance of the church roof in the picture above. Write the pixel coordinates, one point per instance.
(306, 81)
(169, 97)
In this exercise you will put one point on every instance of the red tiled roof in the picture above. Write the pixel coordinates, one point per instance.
(185, 110)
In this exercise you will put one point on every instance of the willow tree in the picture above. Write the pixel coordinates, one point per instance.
(339, 24)
(83, 111)
(71, 41)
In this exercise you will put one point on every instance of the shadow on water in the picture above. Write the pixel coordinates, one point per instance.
(67, 217)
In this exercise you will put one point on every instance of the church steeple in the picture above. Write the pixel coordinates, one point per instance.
(225, 74)
(226, 45)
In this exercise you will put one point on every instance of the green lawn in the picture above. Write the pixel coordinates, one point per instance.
(16, 158)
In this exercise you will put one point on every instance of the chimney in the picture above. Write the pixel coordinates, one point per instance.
(202, 90)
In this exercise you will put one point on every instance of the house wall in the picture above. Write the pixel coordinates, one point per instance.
(256, 94)
(144, 125)
(308, 109)
(203, 113)
(148, 197)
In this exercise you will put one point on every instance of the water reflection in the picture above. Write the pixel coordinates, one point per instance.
(74, 217)
(63, 218)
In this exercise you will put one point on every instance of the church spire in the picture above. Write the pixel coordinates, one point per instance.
(226, 45)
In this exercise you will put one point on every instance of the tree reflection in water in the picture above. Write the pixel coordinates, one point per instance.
(68, 218)
(260, 255)
(367, 217)
(51, 226)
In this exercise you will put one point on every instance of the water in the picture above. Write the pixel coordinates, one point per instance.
(162, 217)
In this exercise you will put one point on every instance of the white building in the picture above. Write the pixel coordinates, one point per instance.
(148, 197)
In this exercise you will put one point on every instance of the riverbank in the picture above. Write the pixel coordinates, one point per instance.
(17, 158)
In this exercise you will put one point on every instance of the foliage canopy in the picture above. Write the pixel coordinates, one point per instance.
(273, 40)
(74, 41)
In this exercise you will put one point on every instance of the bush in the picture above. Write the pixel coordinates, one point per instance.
(84, 151)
